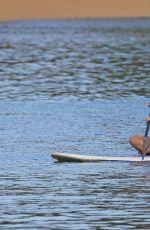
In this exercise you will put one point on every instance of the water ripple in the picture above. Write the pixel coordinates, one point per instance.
(102, 60)
(67, 60)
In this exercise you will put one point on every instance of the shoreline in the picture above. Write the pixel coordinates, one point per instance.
(77, 19)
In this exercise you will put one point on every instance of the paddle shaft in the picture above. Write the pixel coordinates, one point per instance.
(147, 129)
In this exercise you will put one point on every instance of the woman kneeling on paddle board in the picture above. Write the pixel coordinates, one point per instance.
(142, 143)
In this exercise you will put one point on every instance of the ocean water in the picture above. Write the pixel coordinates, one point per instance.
(76, 86)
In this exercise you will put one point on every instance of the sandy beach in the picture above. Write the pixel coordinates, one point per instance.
(48, 9)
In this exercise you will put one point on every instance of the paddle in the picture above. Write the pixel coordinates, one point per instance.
(146, 141)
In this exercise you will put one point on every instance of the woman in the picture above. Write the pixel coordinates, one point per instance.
(141, 143)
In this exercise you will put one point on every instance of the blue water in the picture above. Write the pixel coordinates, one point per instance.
(76, 86)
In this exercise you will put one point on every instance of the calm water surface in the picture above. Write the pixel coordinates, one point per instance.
(78, 86)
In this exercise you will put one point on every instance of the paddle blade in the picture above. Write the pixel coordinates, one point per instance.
(146, 146)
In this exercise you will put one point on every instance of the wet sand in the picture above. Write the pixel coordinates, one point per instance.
(47, 9)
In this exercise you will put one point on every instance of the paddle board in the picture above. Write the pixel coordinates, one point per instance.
(66, 157)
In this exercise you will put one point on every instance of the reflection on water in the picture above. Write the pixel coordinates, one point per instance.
(45, 68)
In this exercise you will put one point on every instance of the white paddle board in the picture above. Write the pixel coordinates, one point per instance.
(66, 157)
